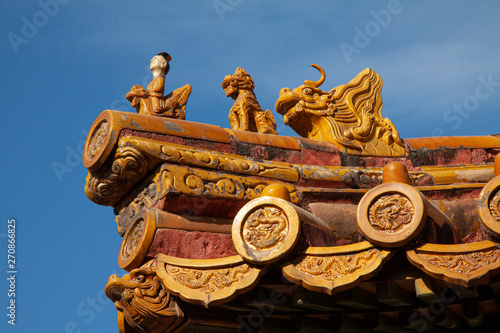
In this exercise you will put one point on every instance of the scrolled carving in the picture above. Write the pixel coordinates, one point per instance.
(226, 185)
(174, 153)
(265, 228)
(144, 302)
(194, 184)
(391, 213)
(194, 157)
(109, 185)
(178, 179)
(128, 163)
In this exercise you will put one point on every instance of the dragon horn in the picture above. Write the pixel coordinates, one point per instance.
(320, 81)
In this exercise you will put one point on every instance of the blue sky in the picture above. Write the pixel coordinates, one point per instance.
(64, 62)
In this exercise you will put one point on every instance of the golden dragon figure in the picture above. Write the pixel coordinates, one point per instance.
(348, 116)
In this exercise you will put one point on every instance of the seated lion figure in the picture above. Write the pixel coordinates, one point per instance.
(246, 113)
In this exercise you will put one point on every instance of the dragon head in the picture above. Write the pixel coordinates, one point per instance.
(145, 304)
(239, 80)
(305, 98)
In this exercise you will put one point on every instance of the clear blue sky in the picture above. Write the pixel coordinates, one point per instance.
(63, 63)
